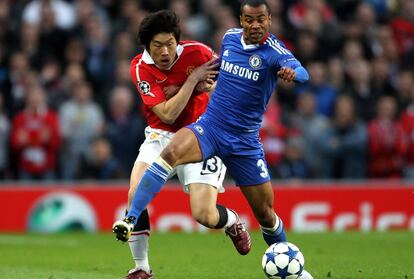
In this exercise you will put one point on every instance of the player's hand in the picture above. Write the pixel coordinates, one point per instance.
(286, 74)
(170, 91)
(208, 70)
(205, 85)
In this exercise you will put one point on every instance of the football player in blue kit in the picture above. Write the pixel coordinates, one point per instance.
(251, 62)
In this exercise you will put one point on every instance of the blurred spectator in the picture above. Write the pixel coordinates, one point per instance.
(4, 139)
(73, 74)
(325, 94)
(50, 77)
(293, 164)
(352, 52)
(405, 87)
(99, 53)
(307, 46)
(311, 125)
(52, 38)
(125, 129)
(35, 138)
(385, 141)
(407, 123)
(81, 121)
(359, 86)
(318, 17)
(28, 40)
(344, 143)
(299, 14)
(124, 46)
(19, 69)
(194, 26)
(403, 27)
(62, 10)
(100, 164)
(336, 74)
(381, 76)
(75, 52)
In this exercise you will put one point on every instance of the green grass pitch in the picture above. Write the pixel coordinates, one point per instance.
(190, 256)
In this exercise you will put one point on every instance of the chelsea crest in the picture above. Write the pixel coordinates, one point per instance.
(255, 61)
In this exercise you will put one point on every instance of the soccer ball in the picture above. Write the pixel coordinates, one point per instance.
(283, 260)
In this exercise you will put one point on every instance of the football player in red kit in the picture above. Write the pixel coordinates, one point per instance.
(173, 78)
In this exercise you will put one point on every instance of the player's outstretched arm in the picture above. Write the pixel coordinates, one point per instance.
(298, 74)
(169, 110)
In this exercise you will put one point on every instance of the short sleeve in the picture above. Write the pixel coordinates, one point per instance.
(148, 88)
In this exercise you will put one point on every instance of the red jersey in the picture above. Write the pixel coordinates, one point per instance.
(386, 149)
(37, 154)
(407, 123)
(151, 81)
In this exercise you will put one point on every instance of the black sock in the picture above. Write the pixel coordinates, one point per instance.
(143, 223)
(223, 217)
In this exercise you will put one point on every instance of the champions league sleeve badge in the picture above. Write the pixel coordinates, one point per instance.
(145, 88)
(255, 61)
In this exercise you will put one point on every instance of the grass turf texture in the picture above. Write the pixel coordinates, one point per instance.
(191, 256)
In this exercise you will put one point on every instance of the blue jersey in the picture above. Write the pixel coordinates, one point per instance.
(246, 81)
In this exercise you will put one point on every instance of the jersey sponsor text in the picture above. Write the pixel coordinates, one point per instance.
(239, 71)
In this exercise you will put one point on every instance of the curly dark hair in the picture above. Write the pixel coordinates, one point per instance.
(163, 21)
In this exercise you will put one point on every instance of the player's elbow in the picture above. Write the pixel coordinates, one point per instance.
(168, 119)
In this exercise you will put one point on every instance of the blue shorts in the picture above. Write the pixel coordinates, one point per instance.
(242, 153)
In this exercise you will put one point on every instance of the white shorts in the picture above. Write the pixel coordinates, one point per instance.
(210, 172)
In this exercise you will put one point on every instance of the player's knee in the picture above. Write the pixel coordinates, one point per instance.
(205, 217)
(171, 154)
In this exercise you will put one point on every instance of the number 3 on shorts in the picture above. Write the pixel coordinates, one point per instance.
(261, 164)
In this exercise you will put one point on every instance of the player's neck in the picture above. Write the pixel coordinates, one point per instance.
(247, 41)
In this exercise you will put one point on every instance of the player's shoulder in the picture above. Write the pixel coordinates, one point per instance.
(137, 62)
(275, 45)
(232, 36)
(136, 58)
(190, 46)
(233, 32)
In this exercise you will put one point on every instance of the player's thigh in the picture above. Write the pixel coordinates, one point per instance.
(183, 148)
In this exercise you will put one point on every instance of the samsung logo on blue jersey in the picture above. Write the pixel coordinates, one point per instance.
(239, 71)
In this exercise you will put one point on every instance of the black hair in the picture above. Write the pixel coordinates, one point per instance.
(163, 21)
(255, 4)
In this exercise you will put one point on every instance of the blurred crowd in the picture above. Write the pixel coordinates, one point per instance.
(69, 111)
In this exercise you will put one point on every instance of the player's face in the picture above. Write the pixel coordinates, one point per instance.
(163, 49)
(256, 23)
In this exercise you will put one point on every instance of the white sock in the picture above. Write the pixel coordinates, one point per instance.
(231, 218)
(272, 229)
(138, 243)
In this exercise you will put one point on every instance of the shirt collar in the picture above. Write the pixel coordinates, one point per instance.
(253, 46)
